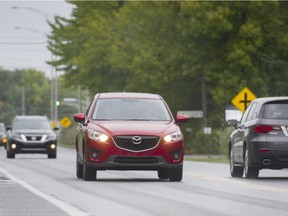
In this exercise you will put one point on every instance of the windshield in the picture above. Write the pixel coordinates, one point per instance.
(275, 111)
(131, 109)
(31, 124)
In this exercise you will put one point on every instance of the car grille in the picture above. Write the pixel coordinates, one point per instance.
(33, 138)
(126, 142)
(136, 160)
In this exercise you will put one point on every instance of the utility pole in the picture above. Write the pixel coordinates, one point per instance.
(23, 101)
(204, 98)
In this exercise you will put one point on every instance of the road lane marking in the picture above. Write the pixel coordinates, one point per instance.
(69, 209)
(234, 181)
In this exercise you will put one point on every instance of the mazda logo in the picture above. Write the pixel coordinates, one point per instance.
(136, 140)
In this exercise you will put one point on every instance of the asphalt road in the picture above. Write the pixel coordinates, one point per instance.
(34, 185)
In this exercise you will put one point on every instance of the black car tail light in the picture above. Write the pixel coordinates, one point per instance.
(266, 128)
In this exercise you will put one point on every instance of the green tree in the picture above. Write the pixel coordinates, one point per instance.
(26, 91)
(175, 47)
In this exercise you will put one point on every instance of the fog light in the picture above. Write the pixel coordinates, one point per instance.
(52, 146)
(13, 146)
(176, 155)
(94, 153)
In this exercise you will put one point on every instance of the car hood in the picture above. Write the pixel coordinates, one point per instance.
(32, 131)
(134, 127)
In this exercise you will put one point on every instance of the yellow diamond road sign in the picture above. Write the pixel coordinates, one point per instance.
(65, 122)
(243, 99)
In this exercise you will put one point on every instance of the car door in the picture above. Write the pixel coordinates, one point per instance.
(238, 137)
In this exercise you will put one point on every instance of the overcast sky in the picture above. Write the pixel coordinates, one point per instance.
(22, 33)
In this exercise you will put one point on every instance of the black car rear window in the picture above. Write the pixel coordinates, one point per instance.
(275, 110)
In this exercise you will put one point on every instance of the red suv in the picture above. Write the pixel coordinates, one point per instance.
(129, 131)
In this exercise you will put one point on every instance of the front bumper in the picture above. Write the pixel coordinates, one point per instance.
(32, 147)
(133, 163)
(108, 156)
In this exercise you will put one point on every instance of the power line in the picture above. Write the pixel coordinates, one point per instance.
(20, 38)
(24, 50)
(21, 43)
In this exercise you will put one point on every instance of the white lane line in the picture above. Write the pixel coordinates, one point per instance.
(70, 210)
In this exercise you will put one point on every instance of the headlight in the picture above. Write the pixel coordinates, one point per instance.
(51, 137)
(15, 136)
(97, 136)
(175, 136)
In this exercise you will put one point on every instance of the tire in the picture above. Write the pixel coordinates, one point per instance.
(235, 171)
(163, 174)
(52, 156)
(89, 173)
(79, 168)
(176, 174)
(250, 172)
(10, 155)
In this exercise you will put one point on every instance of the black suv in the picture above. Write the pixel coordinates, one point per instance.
(260, 139)
(31, 134)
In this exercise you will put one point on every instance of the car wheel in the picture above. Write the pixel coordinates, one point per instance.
(250, 172)
(79, 168)
(89, 173)
(235, 171)
(176, 174)
(163, 174)
(10, 155)
(52, 156)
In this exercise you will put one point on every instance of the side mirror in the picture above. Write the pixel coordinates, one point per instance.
(80, 118)
(232, 122)
(181, 119)
(56, 128)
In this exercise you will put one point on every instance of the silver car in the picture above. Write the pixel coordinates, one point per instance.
(260, 139)
(3, 135)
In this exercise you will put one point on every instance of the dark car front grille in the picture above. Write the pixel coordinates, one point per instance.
(126, 142)
(136, 160)
(33, 138)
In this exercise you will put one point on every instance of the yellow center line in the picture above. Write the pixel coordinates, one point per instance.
(239, 182)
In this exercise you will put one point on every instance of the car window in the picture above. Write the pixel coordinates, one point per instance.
(275, 111)
(252, 114)
(245, 114)
(31, 124)
(131, 109)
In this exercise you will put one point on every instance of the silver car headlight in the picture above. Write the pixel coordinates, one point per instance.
(51, 137)
(16, 136)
